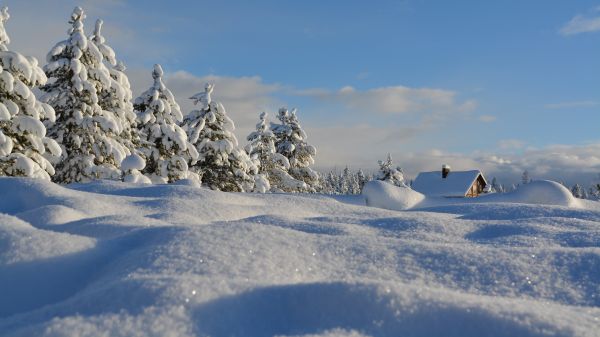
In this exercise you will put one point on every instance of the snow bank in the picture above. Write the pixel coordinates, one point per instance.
(541, 192)
(385, 195)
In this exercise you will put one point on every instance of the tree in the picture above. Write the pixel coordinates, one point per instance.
(362, 180)
(272, 165)
(497, 187)
(222, 164)
(116, 98)
(291, 143)
(594, 192)
(388, 173)
(578, 191)
(23, 141)
(87, 134)
(168, 151)
(525, 177)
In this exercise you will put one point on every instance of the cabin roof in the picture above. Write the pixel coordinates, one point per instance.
(456, 184)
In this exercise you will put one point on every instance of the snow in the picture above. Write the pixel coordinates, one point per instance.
(538, 192)
(115, 259)
(386, 195)
(133, 162)
(456, 184)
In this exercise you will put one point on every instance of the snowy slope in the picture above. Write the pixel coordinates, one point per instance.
(112, 259)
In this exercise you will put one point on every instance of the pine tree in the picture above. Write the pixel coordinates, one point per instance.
(271, 164)
(261, 146)
(168, 153)
(291, 143)
(88, 135)
(346, 183)
(23, 141)
(116, 99)
(525, 177)
(362, 180)
(594, 192)
(497, 187)
(222, 164)
(578, 191)
(388, 173)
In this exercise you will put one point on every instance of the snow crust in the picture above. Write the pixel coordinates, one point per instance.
(116, 259)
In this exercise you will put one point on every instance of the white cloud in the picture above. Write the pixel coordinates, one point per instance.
(244, 98)
(571, 105)
(487, 118)
(395, 100)
(582, 24)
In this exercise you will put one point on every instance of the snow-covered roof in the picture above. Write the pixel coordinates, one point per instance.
(456, 184)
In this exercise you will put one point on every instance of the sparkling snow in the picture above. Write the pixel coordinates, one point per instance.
(118, 259)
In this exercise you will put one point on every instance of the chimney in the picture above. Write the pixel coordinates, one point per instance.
(445, 171)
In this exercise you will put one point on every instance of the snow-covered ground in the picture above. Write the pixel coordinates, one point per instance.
(116, 259)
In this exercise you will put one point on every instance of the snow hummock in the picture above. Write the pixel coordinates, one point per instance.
(386, 195)
(544, 192)
(110, 258)
(133, 162)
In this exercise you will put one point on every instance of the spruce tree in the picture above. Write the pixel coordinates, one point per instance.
(578, 191)
(291, 142)
(388, 173)
(166, 151)
(525, 179)
(117, 98)
(23, 142)
(271, 164)
(221, 164)
(88, 135)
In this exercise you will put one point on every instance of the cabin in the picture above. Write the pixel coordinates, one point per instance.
(450, 184)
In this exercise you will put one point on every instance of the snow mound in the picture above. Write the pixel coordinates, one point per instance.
(385, 195)
(51, 215)
(540, 192)
(133, 162)
(21, 242)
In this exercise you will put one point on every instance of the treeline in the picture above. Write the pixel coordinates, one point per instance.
(85, 125)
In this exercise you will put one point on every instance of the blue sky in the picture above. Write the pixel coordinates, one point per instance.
(502, 86)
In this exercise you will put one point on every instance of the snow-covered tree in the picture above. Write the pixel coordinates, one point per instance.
(362, 179)
(117, 98)
(578, 191)
(344, 182)
(525, 179)
(388, 173)
(89, 136)
(496, 186)
(132, 167)
(291, 142)
(272, 165)
(23, 142)
(222, 164)
(168, 151)
(594, 192)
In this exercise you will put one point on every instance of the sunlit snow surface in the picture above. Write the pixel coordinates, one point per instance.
(116, 259)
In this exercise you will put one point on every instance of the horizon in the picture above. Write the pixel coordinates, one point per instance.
(503, 89)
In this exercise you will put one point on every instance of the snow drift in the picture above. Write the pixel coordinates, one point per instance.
(541, 192)
(117, 259)
(381, 194)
